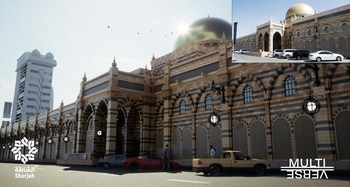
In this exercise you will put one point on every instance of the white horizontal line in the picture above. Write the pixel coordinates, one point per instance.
(307, 167)
(197, 182)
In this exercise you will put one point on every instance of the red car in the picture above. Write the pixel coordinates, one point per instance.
(145, 162)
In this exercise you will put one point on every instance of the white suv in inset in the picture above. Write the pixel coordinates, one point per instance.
(287, 53)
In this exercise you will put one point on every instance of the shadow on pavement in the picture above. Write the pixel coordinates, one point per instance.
(112, 170)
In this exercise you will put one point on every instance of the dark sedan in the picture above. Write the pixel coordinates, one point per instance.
(301, 54)
(146, 162)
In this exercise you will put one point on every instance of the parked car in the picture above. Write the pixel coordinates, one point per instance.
(325, 55)
(113, 160)
(147, 162)
(244, 51)
(230, 160)
(299, 54)
(287, 53)
(277, 53)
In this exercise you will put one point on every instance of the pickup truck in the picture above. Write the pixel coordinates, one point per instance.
(231, 160)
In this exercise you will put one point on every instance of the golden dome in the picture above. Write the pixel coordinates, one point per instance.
(300, 10)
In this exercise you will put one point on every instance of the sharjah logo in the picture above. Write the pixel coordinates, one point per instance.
(19, 144)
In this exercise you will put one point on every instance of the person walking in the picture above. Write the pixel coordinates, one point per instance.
(212, 151)
(166, 158)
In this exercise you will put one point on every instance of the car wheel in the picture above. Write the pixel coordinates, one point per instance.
(276, 56)
(287, 56)
(260, 170)
(338, 58)
(133, 167)
(298, 57)
(106, 165)
(215, 170)
(318, 59)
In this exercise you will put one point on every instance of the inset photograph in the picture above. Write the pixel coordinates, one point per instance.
(291, 31)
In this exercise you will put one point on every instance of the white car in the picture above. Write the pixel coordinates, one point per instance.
(113, 160)
(244, 51)
(325, 55)
(277, 53)
(287, 53)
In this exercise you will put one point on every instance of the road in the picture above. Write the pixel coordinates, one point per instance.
(86, 176)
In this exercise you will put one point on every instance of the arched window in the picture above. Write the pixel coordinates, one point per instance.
(309, 32)
(182, 107)
(326, 29)
(289, 86)
(208, 102)
(344, 27)
(248, 94)
(298, 34)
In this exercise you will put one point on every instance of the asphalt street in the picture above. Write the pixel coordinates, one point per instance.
(13, 175)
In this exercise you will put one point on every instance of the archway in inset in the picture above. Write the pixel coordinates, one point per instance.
(266, 42)
(277, 41)
(261, 42)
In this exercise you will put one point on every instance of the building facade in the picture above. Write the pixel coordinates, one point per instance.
(259, 107)
(303, 28)
(33, 90)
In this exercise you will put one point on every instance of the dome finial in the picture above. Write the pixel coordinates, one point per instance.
(114, 64)
(84, 78)
(223, 36)
(153, 57)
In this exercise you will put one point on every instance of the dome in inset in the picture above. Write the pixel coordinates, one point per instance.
(49, 55)
(36, 52)
(300, 10)
(209, 28)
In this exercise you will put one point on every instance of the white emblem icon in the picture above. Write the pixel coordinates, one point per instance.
(19, 144)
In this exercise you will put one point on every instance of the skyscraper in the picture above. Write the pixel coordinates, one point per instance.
(33, 91)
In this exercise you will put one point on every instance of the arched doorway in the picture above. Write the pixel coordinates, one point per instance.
(282, 141)
(240, 138)
(133, 133)
(342, 130)
(266, 42)
(100, 125)
(261, 42)
(277, 41)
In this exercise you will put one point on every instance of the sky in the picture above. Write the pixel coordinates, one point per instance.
(250, 14)
(85, 35)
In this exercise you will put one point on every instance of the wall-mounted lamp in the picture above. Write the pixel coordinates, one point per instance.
(314, 67)
(99, 133)
(311, 105)
(221, 89)
(66, 139)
